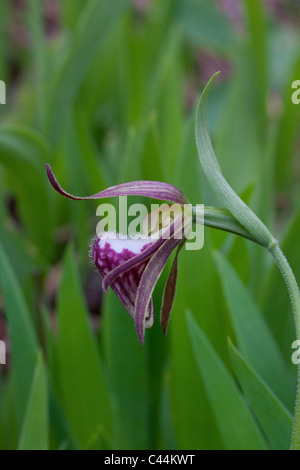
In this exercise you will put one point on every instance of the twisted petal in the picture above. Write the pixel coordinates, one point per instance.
(153, 189)
(150, 277)
(169, 293)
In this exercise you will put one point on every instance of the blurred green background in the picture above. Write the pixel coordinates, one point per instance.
(105, 91)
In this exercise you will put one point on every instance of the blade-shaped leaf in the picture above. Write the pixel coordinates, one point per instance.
(23, 342)
(235, 422)
(24, 153)
(81, 386)
(34, 435)
(211, 168)
(274, 418)
(275, 294)
(95, 23)
(126, 361)
(205, 26)
(254, 338)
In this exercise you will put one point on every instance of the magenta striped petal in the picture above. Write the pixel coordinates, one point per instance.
(139, 258)
(108, 254)
(150, 277)
(130, 263)
(152, 189)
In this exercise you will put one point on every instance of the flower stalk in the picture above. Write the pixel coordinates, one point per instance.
(294, 294)
(240, 218)
(221, 219)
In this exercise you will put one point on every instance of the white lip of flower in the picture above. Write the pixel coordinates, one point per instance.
(110, 250)
(120, 242)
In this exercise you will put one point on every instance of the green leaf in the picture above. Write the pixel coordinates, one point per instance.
(71, 11)
(17, 252)
(59, 424)
(254, 337)
(211, 168)
(197, 279)
(275, 295)
(255, 15)
(237, 138)
(80, 383)
(274, 418)
(126, 361)
(10, 429)
(235, 422)
(205, 26)
(34, 435)
(4, 18)
(24, 154)
(286, 134)
(95, 23)
(152, 137)
(24, 346)
(35, 24)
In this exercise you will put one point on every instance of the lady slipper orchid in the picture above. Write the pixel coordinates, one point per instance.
(132, 266)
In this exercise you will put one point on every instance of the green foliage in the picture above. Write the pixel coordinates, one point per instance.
(236, 425)
(111, 98)
(34, 434)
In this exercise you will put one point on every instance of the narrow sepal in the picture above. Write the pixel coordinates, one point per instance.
(152, 189)
(151, 275)
(169, 293)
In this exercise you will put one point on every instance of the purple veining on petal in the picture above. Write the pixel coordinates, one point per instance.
(145, 254)
(138, 258)
(108, 254)
(153, 189)
(151, 275)
(169, 293)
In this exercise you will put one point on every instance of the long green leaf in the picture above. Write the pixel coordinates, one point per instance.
(235, 422)
(205, 26)
(24, 154)
(275, 420)
(211, 168)
(254, 338)
(258, 54)
(197, 278)
(95, 23)
(23, 342)
(126, 360)
(34, 434)
(275, 296)
(80, 382)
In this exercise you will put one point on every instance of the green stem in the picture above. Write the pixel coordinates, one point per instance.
(223, 220)
(294, 293)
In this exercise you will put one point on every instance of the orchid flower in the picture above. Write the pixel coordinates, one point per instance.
(132, 266)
